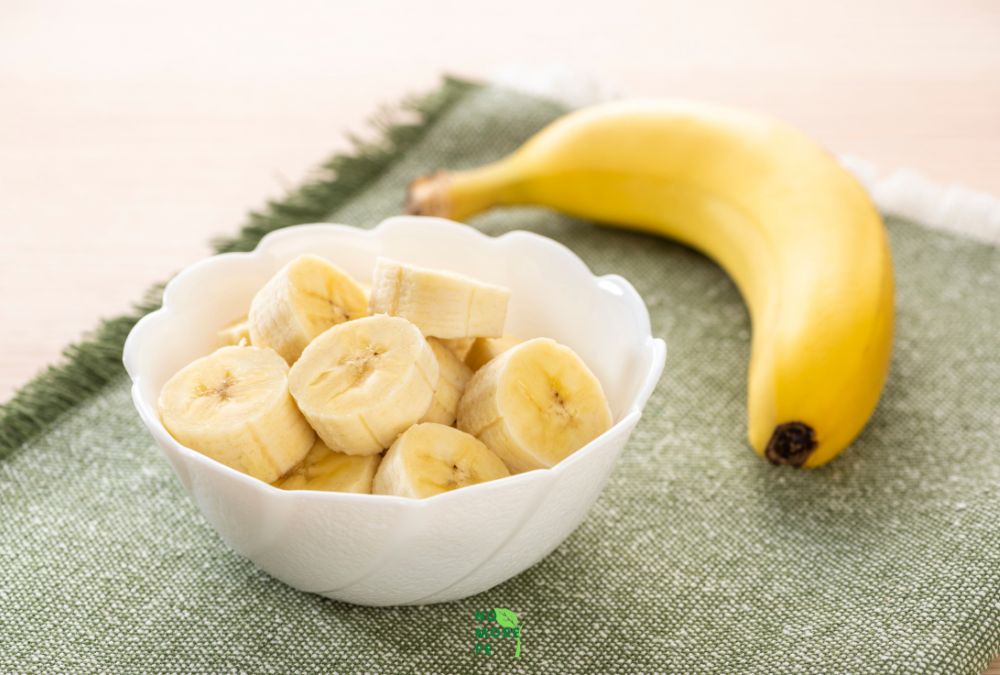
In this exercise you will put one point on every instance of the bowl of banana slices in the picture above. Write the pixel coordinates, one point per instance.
(409, 414)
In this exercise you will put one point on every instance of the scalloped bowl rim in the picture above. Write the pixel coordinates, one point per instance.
(656, 347)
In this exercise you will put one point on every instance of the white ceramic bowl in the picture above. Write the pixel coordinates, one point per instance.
(380, 550)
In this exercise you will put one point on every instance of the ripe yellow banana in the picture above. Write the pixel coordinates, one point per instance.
(795, 231)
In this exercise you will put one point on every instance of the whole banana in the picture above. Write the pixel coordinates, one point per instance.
(795, 231)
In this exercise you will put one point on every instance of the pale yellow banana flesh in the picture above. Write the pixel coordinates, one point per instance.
(326, 470)
(236, 333)
(534, 405)
(484, 350)
(442, 304)
(306, 297)
(234, 406)
(366, 383)
(428, 459)
(452, 378)
(363, 382)
(459, 346)
(793, 228)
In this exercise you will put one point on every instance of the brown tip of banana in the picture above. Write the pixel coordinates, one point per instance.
(428, 196)
(791, 443)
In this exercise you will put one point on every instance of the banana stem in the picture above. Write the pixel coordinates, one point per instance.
(462, 194)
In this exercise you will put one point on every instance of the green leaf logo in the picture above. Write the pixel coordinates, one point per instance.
(508, 619)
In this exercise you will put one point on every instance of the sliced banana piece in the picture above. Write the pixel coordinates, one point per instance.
(453, 377)
(362, 383)
(324, 469)
(534, 405)
(459, 346)
(484, 350)
(442, 304)
(429, 459)
(236, 333)
(305, 297)
(233, 406)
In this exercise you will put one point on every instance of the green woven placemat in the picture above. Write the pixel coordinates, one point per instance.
(697, 557)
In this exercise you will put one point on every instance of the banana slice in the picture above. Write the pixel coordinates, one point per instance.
(324, 469)
(453, 377)
(534, 405)
(236, 333)
(442, 304)
(233, 406)
(459, 346)
(429, 459)
(362, 383)
(305, 297)
(484, 350)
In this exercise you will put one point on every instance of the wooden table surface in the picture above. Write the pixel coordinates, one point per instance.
(130, 134)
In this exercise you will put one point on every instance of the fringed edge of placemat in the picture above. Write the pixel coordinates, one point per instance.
(90, 364)
(914, 197)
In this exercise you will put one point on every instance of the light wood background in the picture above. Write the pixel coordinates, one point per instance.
(130, 133)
